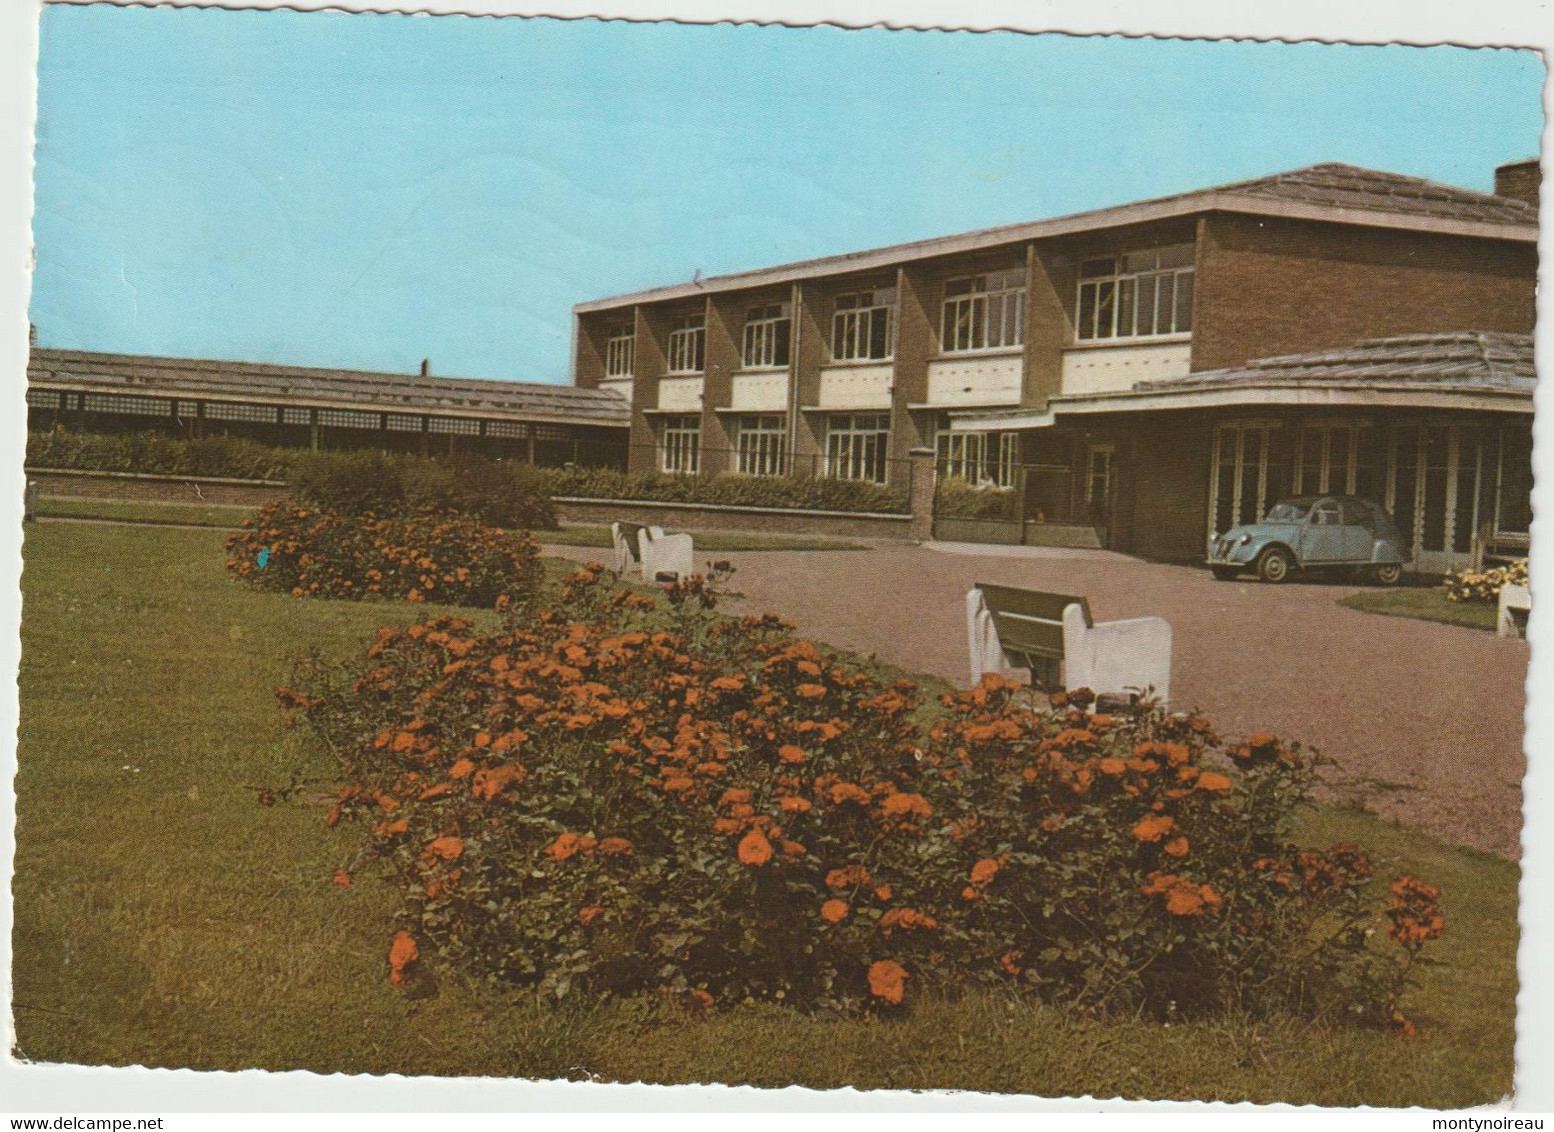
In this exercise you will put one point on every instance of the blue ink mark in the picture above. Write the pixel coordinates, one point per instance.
(264, 558)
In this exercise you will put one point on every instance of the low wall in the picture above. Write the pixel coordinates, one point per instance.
(141, 487)
(726, 517)
(1005, 532)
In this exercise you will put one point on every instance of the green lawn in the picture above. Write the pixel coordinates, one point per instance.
(165, 918)
(227, 516)
(1424, 604)
(711, 541)
(224, 515)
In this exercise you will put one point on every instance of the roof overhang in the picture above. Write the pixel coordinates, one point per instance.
(1291, 395)
(1169, 208)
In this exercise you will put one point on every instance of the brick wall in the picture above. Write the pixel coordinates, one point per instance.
(1269, 286)
(685, 516)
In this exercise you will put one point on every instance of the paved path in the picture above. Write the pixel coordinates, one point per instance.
(1425, 720)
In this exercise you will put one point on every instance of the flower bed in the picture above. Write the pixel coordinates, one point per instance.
(310, 552)
(624, 794)
(1485, 585)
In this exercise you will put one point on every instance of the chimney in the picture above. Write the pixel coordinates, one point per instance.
(426, 367)
(1519, 180)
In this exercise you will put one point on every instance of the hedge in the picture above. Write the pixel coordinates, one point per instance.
(788, 492)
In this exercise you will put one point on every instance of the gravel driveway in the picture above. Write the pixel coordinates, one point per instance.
(1424, 720)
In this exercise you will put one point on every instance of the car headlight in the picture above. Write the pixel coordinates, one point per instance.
(1244, 540)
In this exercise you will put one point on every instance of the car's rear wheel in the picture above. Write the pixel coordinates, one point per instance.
(1389, 575)
(1224, 573)
(1274, 565)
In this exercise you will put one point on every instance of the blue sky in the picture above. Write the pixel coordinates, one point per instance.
(367, 190)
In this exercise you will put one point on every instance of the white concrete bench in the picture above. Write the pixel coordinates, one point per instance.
(1054, 636)
(628, 556)
(1515, 608)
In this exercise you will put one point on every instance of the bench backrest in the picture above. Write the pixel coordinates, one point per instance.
(1030, 622)
(629, 532)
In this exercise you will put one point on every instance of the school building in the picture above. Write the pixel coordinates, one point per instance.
(1137, 377)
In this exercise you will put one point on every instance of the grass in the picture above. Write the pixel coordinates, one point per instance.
(223, 515)
(1425, 604)
(227, 517)
(165, 918)
(706, 540)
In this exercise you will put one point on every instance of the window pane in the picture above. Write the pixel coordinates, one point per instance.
(1125, 291)
(1086, 321)
(1106, 301)
(1146, 303)
(1184, 301)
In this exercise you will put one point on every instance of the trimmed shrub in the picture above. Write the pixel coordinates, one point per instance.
(955, 498)
(624, 794)
(498, 493)
(153, 453)
(796, 492)
(445, 558)
(1485, 585)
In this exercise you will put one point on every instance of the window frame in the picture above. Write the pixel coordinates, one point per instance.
(679, 445)
(767, 337)
(761, 444)
(1121, 279)
(857, 320)
(620, 353)
(858, 451)
(966, 323)
(687, 344)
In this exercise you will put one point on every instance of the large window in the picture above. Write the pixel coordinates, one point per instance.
(856, 444)
(1333, 458)
(1249, 474)
(986, 459)
(984, 312)
(1138, 295)
(761, 445)
(863, 326)
(620, 352)
(681, 453)
(767, 330)
(688, 344)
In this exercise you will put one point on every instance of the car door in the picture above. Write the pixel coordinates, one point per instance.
(1321, 539)
(1359, 535)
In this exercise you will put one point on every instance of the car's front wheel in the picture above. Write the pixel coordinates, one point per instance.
(1274, 565)
(1224, 573)
(1389, 575)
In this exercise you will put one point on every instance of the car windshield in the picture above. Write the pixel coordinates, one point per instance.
(1289, 511)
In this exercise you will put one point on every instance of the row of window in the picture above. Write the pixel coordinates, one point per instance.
(1138, 295)
(855, 448)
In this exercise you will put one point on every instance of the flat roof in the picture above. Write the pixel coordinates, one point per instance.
(262, 383)
(1332, 192)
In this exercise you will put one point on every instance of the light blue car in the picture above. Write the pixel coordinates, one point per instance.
(1312, 531)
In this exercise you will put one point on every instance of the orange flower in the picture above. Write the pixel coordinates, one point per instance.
(1154, 827)
(792, 804)
(402, 953)
(906, 919)
(448, 848)
(754, 849)
(492, 781)
(884, 893)
(1111, 766)
(461, 769)
(847, 792)
(589, 914)
(887, 980)
(907, 806)
(615, 847)
(846, 878)
(833, 911)
(565, 846)
(1010, 961)
(701, 999)
(788, 753)
(733, 797)
(984, 870)
(812, 691)
(1211, 781)
(969, 893)
(1177, 847)
(394, 827)
(342, 878)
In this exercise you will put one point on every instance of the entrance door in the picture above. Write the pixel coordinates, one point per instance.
(1437, 497)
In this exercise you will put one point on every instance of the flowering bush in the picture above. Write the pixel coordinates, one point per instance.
(1484, 585)
(619, 795)
(432, 557)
